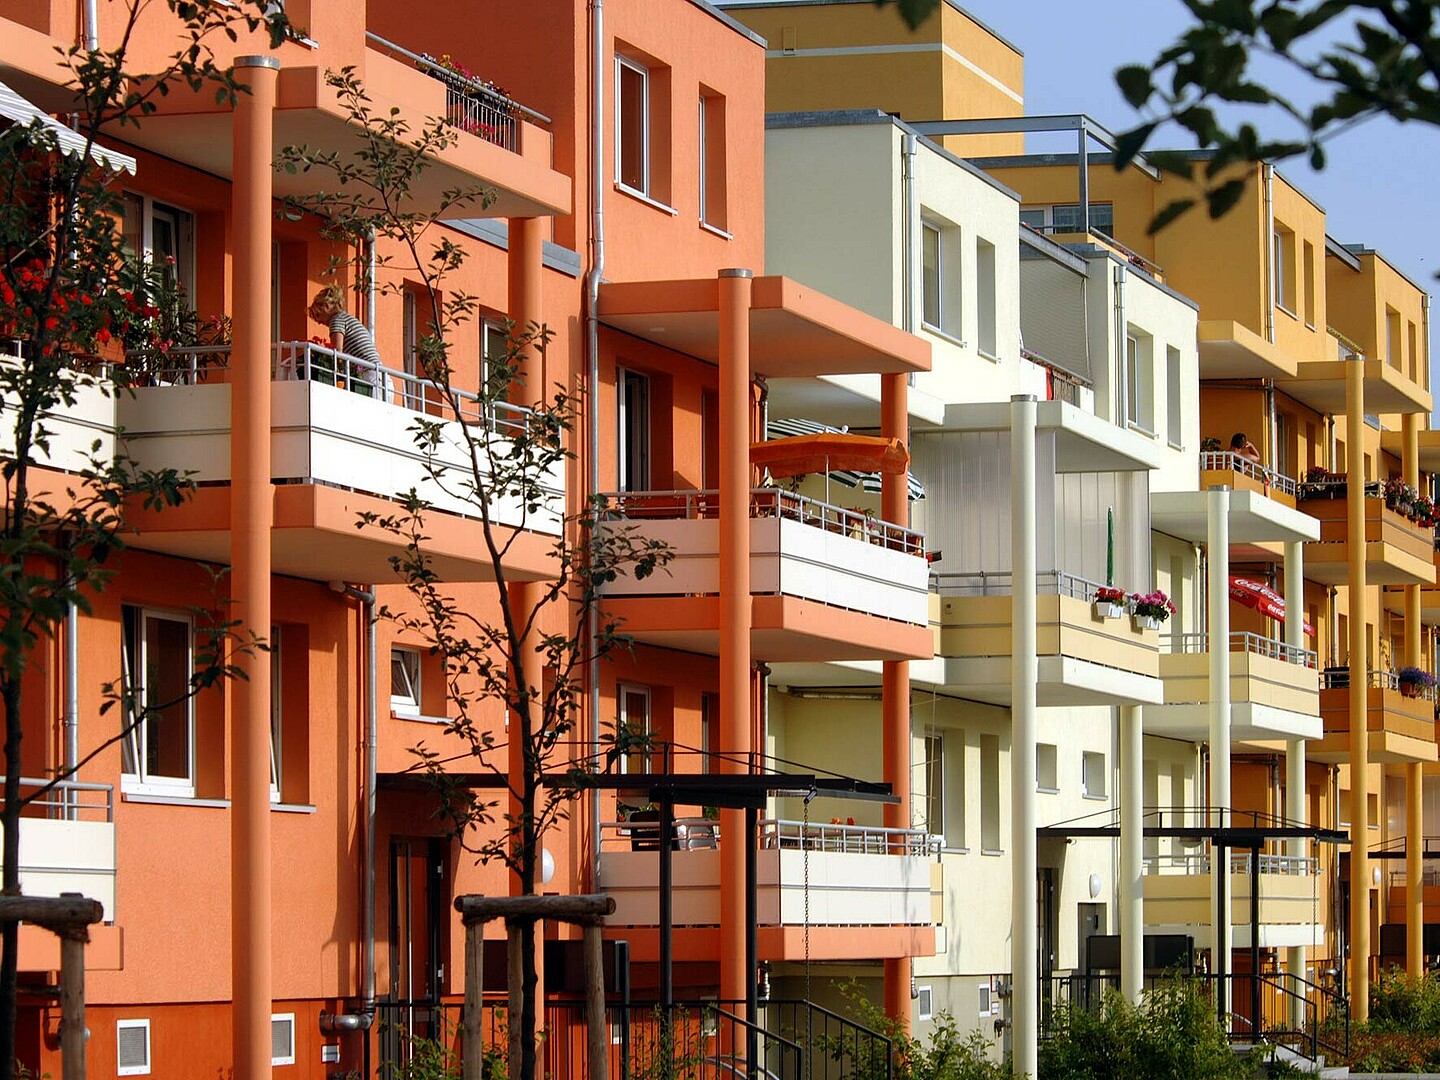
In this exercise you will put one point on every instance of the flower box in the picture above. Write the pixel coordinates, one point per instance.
(1146, 622)
(1109, 609)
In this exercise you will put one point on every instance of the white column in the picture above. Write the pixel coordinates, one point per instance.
(1024, 673)
(1132, 851)
(1218, 642)
(1295, 749)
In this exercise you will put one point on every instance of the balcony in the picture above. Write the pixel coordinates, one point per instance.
(863, 892)
(1292, 899)
(1394, 598)
(1274, 690)
(1231, 350)
(67, 844)
(1239, 473)
(826, 583)
(1397, 550)
(342, 443)
(1320, 384)
(1401, 728)
(73, 429)
(1085, 657)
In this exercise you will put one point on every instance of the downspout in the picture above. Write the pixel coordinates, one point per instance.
(331, 1023)
(373, 268)
(593, 277)
(910, 193)
(1121, 347)
(1268, 172)
(92, 25)
(71, 720)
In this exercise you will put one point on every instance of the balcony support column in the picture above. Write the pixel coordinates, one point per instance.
(1359, 929)
(895, 679)
(1295, 812)
(1132, 853)
(735, 615)
(1414, 771)
(252, 511)
(1024, 674)
(1217, 505)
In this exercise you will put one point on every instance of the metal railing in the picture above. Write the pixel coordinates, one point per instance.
(470, 105)
(704, 833)
(643, 834)
(69, 799)
(997, 583)
(1229, 461)
(1241, 641)
(1198, 863)
(766, 502)
(300, 361)
(1338, 678)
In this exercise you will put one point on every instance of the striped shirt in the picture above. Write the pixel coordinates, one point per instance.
(358, 342)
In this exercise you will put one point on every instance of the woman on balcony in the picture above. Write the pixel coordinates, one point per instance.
(350, 336)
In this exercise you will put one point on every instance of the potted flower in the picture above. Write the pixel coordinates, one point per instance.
(1210, 445)
(1414, 681)
(1152, 609)
(1109, 602)
(1321, 483)
(1399, 496)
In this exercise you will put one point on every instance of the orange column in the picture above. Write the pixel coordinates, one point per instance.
(252, 511)
(895, 678)
(734, 743)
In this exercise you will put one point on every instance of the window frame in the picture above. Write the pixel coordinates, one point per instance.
(410, 705)
(623, 690)
(930, 228)
(622, 64)
(933, 741)
(183, 221)
(134, 1070)
(632, 433)
(1087, 757)
(282, 1018)
(136, 737)
(277, 719)
(1174, 406)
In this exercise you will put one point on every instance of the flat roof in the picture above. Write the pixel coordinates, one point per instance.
(730, 21)
(822, 3)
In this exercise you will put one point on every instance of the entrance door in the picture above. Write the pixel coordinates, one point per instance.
(1045, 917)
(418, 921)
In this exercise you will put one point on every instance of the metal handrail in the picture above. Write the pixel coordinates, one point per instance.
(1241, 641)
(66, 798)
(430, 67)
(310, 361)
(694, 505)
(1338, 678)
(1229, 461)
(1198, 863)
(997, 583)
(848, 839)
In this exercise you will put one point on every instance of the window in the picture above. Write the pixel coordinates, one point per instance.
(158, 749)
(985, 299)
(932, 802)
(632, 715)
(709, 725)
(1066, 218)
(924, 1002)
(1047, 768)
(712, 161)
(1034, 218)
(1093, 776)
(982, 998)
(940, 306)
(276, 717)
(411, 393)
(634, 450)
(1311, 286)
(405, 682)
(990, 794)
(1283, 257)
(163, 235)
(1392, 337)
(632, 125)
(1139, 381)
(1412, 352)
(1285, 444)
(282, 1039)
(1174, 414)
(132, 1047)
(494, 351)
(930, 273)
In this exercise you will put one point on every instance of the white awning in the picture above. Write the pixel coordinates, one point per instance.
(16, 108)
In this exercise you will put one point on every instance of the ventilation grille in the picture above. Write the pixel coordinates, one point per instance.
(282, 1039)
(132, 1047)
(923, 1002)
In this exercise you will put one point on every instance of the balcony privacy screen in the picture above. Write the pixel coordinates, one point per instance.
(1053, 315)
(967, 516)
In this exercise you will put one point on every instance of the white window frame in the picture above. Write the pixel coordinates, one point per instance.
(138, 782)
(1174, 403)
(702, 160)
(1277, 268)
(624, 421)
(282, 1018)
(1054, 768)
(927, 229)
(924, 1002)
(623, 692)
(933, 741)
(277, 722)
(184, 266)
(1088, 757)
(621, 64)
(133, 1070)
(1047, 217)
(409, 700)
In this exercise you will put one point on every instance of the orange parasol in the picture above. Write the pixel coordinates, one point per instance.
(827, 452)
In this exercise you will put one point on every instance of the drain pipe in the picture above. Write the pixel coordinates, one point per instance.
(1268, 172)
(92, 25)
(908, 245)
(333, 1023)
(371, 271)
(593, 277)
(71, 720)
(1121, 402)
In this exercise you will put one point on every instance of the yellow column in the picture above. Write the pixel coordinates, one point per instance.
(735, 616)
(1359, 682)
(1414, 771)
(252, 512)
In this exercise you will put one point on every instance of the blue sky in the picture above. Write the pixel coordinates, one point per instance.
(1379, 187)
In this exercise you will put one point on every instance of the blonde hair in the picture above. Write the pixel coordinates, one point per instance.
(328, 302)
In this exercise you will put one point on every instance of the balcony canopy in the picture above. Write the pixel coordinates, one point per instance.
(1393, 442)
(1083, 441)
(1320, 384)
(795, 331)
(1253, 518)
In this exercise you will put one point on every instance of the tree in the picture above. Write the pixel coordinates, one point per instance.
(68, 296)
(501, 451)
(1364, 58)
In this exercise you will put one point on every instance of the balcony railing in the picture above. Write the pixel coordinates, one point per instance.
(471, 105)
(1199, 863)
(1229, 461)
(1338, 678)
(997, 583)
(692, 834)
(68, 799)
(766, 502)
(1241, 641)
(299, 361)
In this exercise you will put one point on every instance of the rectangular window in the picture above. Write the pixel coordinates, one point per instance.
(1034, 218)
(1283, 258)
(276, 725)
(1174, 399)
(1047, 767)
(1392, 337)
(634, 417)
(989, 793)
(709, 725)
(158, 747)
(132, 1047)
(632, 125)
(932, 805)
(940, 278)
(1139, 381)
(405, 699)
(163, 235)
(712, 161)
(930, 272)
(1412, 354)
(1066, 218)
(1093, 776)
(1285, 439)
(924, 1003)
(282, 1039)
(494, 351)
(1311, 285)
(632, 714)
(985, 299)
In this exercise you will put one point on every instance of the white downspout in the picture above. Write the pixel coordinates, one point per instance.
(910, 194)
(1122, 327)
(593, 277)
(370, 287)
(1268, 172)
(72, 706)
(92, 25)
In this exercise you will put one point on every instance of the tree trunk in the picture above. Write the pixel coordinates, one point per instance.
(10, 882)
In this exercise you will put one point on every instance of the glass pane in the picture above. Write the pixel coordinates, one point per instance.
(930, 273)
(631, 120)
(129, 670)
(167, 686)
(133, 226)
(1033, 218)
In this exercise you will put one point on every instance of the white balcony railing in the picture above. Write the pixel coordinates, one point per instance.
(67, 840)
(1241, 642)
(1198, 862)
(998, 583)
(1229, 461)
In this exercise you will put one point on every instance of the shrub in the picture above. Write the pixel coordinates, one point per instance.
(948, 1055)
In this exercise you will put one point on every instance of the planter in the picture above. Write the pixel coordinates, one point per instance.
(1410, 689)
(1147, 622)
(1108, 609)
